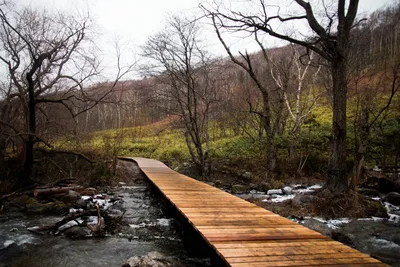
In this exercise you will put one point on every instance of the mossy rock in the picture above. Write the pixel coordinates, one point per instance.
(22, 201)
(265, 186)
(375, 208)
(217, 183)
(45, 208)
(239, 189)
(277, 184)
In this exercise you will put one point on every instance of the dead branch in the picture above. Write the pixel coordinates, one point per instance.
(53, 151)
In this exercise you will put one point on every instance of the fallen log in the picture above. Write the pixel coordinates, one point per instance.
(54, 190)
(22, 191)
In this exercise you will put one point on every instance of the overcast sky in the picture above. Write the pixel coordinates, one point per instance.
(135, 20)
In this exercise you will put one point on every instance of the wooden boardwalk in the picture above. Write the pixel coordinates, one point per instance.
(243, 234)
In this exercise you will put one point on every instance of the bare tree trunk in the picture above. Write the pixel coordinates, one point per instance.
(337, 179)
(266, 119)
(2, 157)
(25, 177)
(363, 145)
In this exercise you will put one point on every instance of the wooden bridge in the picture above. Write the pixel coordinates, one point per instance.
(243, 234)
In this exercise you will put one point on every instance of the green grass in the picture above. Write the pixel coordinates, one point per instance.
(160, 141)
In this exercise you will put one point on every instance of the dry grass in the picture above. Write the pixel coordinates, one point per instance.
(347, 204)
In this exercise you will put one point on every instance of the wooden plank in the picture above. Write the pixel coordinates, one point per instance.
(268, 244)
(243, 234)
(319, 262)
(309, 256)
(282, 251)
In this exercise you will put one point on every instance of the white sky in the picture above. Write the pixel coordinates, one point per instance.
(135, 20)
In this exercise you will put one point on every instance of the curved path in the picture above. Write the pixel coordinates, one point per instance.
(243, 234)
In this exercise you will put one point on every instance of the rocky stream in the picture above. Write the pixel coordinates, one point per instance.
(143, 237)
(136, 233)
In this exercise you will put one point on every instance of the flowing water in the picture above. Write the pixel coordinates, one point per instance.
(144, 230)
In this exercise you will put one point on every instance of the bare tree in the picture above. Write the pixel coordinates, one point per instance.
(48, 58)
(247, 63)
(330, 39)
(182, 69)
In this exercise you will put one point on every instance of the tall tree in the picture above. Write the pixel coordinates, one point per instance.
(182, 69)
(329, 38)
(47, 59)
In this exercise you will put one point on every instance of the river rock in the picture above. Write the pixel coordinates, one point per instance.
(396, 238)
(382, 184)
(152, 259)
(35, 207)
(287, 190)
(275, 192)
(265, 186)
(342, 237)
(81, 204)
(218, 183)
(368, 192)
(23, 200)
(211, 183)
(73, 195)
(388, 255)
(253, 186)
(239, 189)
(397, 185)
(76, 232)
(89, 191)
(247, 175)
(318, 226)
(393, 198)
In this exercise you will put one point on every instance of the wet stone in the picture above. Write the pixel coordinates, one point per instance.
(287, 190)
(76, 232)
(275, 192)
(368, 192)
(393, 198)
(152, 259)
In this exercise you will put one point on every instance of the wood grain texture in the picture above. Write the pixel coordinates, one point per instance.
(243, 234)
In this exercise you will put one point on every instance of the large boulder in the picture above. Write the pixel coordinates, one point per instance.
(33, 206)
(381, 184)
(71, 197)
(368, 192)
(46, 208)
(393, 198)
(76, 232)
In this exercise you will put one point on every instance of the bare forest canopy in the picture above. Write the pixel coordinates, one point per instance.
(204, 98)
